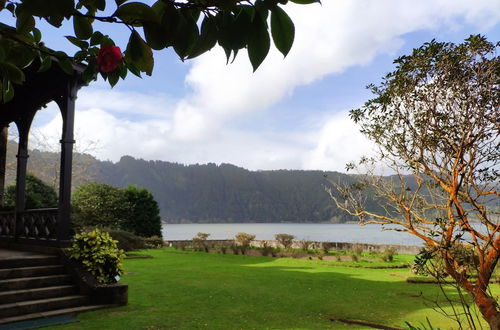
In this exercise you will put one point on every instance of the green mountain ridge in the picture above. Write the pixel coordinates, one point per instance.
(206, 193)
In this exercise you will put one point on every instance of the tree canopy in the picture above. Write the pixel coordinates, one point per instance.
(436, 117)
(144, 216)
(39, 195)
(190, 28)
(131, 209)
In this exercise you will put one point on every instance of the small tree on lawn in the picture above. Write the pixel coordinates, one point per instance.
(244, 240)
(286, 240)
(436, 123)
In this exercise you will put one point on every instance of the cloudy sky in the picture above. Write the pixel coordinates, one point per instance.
(292, 113)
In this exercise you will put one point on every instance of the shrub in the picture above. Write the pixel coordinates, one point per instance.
(200, 242)
(99, 254)
(319, 254)
(305, 245)
(223, 249)
(388, 254)
(326, 247)
(244, 240)
(126, 240)
(286, 240)
(357, 249)
(354, 257)
(235, 248)
(266, 249)
(153, 242)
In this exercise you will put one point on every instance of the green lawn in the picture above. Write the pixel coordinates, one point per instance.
(196, 290)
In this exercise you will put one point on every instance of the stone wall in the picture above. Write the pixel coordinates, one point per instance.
(401, 249)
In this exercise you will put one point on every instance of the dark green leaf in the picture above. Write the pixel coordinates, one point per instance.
(113, 78)
(65, 65)
(282, 30)
(96, 38)
(12, 72)
(100, 4)
(155, 35)
(20, 56)
(134, 70)
(55, 20)
(259, 42)
(122, 69)
(83, 27)
(139, 54)
(7, 91)
(25, 22)
(37, 35)
(207, 39)
(186, 35)
(89, 73)
(77, 42)
(46, 63)
(134, 12)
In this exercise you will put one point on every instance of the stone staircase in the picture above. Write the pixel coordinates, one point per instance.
(38, 286)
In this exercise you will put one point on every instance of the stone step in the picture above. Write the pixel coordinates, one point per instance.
(7, 297)
(34, 282)
(9, 273)
(37, 306)
(29, 261)
(57, 312)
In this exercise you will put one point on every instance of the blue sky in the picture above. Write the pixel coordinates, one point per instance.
(292, 113)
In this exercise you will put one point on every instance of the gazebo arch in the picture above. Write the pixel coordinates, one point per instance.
(47, 227)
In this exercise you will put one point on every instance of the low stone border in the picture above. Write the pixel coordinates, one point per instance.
(346, 246)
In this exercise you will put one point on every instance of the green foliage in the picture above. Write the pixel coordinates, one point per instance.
(99, 204)
(39, 195)
(200, 241)
(99, 254)
(244, 240)
(153, 242)
(126, 240)
(388, 254)
(143, 218)
(234, 25)
(286, 240)
(130, 209)
(305, 245)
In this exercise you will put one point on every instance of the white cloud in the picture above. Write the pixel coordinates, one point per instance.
(199, 128)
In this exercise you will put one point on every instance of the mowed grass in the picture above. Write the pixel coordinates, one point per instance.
(196, 290)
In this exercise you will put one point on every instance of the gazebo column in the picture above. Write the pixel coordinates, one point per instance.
(67, 106)
(4, 132)
(22, 164)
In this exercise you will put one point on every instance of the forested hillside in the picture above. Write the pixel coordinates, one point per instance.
(210, 192)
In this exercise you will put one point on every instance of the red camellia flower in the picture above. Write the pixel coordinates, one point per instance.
(108, 58)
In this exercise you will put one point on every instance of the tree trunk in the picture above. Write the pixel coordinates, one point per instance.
(488, 307)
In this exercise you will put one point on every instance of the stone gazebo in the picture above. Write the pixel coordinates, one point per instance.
(40, 227)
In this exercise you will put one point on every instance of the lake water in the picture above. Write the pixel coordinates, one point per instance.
(352, 233)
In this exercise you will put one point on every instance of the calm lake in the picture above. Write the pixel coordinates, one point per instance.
(313, 232)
